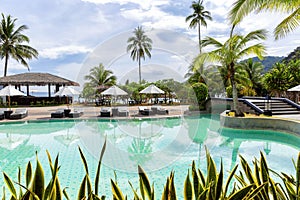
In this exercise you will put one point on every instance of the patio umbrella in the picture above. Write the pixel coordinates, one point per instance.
(295, 89)
(68, 92)
(152, 89)
(10, 91)
(114, 91)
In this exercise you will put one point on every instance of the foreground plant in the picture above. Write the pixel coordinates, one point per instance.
(35, 183)
(248, 183)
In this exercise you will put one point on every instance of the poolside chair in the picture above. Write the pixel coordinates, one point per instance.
(123, 111)
(143, 110)
(162, 111)
(105, 112)
(76, 113)
(2, 113)
(19, 113)
(59, 113)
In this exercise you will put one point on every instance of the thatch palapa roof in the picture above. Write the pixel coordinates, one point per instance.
(39, 79)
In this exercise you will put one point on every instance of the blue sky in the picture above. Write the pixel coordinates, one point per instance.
(74, 35)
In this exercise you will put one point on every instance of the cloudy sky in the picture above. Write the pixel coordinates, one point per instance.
(72, 36)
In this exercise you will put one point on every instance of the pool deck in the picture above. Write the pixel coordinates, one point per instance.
(92, 112)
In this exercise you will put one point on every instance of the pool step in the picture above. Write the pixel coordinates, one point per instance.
(277, 106)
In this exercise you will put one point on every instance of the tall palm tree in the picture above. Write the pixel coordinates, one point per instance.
(242, 8)
(100, 78)
(198, 18)
(11, 43)
(139, 45)
(231, 51)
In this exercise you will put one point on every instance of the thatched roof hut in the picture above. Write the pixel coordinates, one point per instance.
(40, 79)
(36, 79)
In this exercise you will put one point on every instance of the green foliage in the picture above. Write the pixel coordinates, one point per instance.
(248, 183)
(12, 43)
(198, 94)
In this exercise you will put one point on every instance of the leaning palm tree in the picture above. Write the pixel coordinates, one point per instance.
(100, 78)
(139, 45)
(230, 52)
(242, 8)
(198, 18)
(11, 43)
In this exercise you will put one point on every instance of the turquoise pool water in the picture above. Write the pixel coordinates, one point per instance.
(158, 145)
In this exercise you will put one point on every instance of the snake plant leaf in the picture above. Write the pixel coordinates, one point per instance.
(165, 192)
(298, 176)
(264, 168)
(202, 184)
(28, 174)
(65, 193)
(211, 169)
(188, 190)
(240, 194)
(83, 161)
(38, 182)
(172, 189)
(290, 189)
(81, 192)
(230, 178)
(153, 193)
(144, 183)
(219, 185)
(29, 194)
(136, 196)
(10, 185)
(195, 178)
(257, 174)
(247, 170)
(256, 191)
(97, 178)
(19, 181)
(89, 184)
(203, 195)
(117, 193)
(275, 194)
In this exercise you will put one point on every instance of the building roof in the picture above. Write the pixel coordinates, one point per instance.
(39, 79)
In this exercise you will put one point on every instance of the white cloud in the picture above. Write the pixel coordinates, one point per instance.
(56, 52)
(145, 4)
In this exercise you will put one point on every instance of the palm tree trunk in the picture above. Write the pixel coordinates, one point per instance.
(234, 91)
(199, 37)
(140, 73)
(5, 64)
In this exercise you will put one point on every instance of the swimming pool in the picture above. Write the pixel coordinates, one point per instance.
(158, 145)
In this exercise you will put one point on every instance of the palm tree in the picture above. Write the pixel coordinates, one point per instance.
(230, 52)
(242, 8)
(254, 72)
(11, 43)
(139, 45)
(278, 80)
(100, 78)
(198, 18)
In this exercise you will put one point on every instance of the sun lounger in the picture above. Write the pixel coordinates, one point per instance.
(143, 110)
(105, 112)
(19, 113)
(2, 113)
(123, 111)
(162, 111)
(59, 113)
(76, 113)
